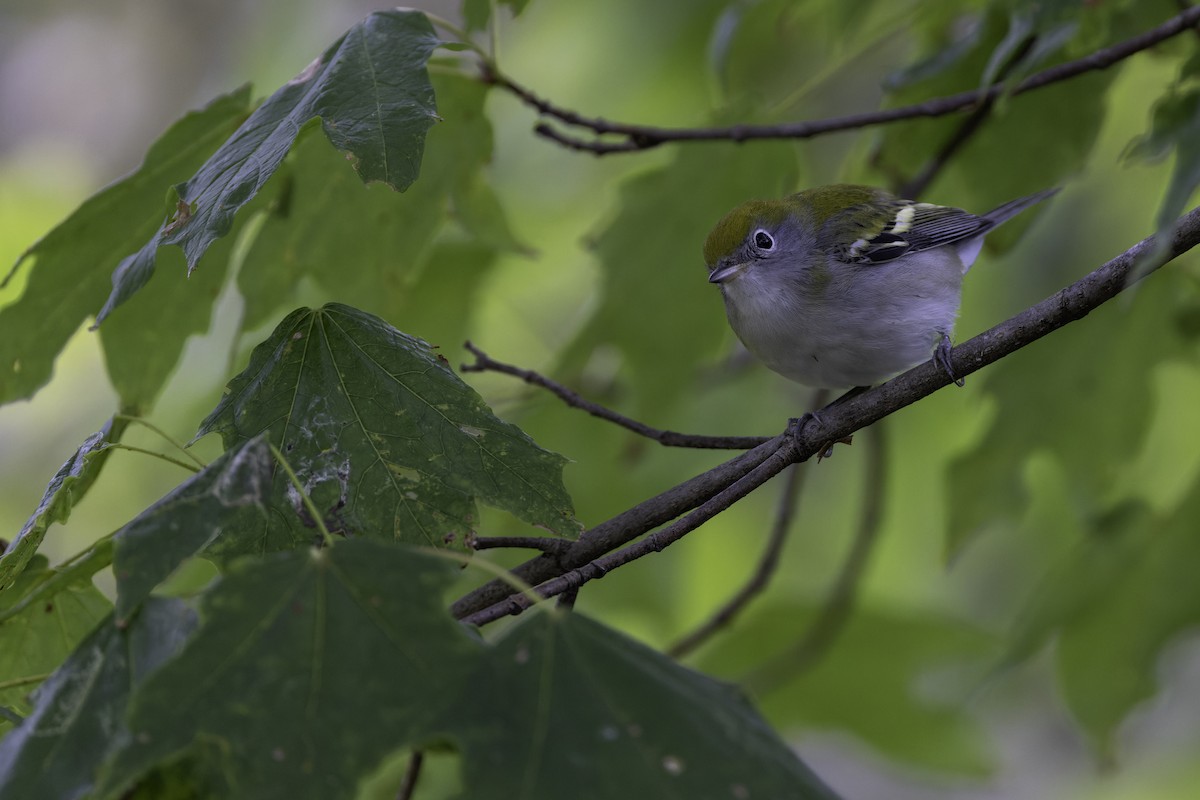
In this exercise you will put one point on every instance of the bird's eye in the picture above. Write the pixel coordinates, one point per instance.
(763, 240)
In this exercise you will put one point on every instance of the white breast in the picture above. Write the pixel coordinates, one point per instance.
(864, 324)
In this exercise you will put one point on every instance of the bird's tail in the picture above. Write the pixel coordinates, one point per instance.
(1014, 207)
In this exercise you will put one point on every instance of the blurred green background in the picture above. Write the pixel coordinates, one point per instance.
(906, 705)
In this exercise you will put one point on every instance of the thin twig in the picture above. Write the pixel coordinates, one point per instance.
(485, 363)
(767, 564)
(623, 528)
(831, 619)
(713, 491)
(916, 185)
(566, 600)
(656, 542)
(628, 144)
(1184, 5)
(642, 137)
(543, 543)
(411, 775)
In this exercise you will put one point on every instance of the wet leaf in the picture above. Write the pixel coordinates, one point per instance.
(67, 487)
(372, 95)
(385, 437)
(79, 713)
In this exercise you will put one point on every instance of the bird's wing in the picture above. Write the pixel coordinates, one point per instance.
(915, 227)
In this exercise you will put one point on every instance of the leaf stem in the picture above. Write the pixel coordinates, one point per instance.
(134, 449)
(62, 575)
(171, 440)
(463, 36)
(15, 683)
(523, 588)
(326, 536)
(493, 31)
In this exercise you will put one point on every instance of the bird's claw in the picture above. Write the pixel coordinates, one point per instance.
(796, 426)
(941, 357)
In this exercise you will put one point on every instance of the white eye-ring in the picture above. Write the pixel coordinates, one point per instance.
(763, 240)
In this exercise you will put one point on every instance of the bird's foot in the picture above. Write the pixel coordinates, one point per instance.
(941, 357)
(796, 426)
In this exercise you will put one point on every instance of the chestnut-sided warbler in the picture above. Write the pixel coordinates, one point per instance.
(844, 286)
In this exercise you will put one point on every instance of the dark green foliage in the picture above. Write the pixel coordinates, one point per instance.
(288, 637)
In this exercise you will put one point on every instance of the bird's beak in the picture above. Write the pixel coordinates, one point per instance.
(722, 274)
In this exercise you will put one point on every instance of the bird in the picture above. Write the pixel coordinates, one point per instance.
(844, 286)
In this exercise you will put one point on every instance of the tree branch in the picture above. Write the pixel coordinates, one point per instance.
(623, 528)
(485, 363)
(643, 137)
(1184, 5)
(767, 564)
(717, 489)
(544, 543)
(786, 453)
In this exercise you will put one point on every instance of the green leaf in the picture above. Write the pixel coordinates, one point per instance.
(1072, 587)
(220, 513)
(322, 219)
(948, 35)
(1175, 126)
(480, 212)
(67, 487)
(70, 276)
(477, 13)
(981, 173)
(1112, 355)
(569, 698)
(78, 718)
(1036, 30)
(308, 669)
(439, 304)
(757, 55)
(76, 570)
(371, 91)
(384, 434)
(35, 641)
(866, 683)
(143, 344)
(1115, 602)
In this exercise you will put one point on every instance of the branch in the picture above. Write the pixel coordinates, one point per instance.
(767, 565)
(644, 137)
(485, 363)
(623, 528)
(835, 612)
(543, 543)
(1184, 5)
(717, 489)
(411, 774)
(785, 453)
